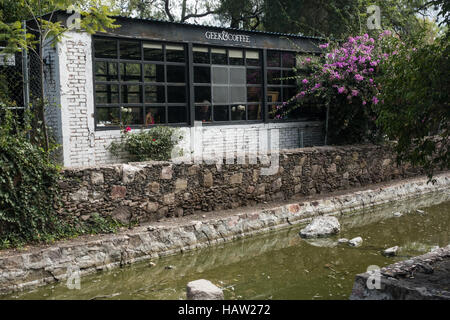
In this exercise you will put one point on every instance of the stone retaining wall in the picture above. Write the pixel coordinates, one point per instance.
(424, 277)
(149, 191)
(20, 270)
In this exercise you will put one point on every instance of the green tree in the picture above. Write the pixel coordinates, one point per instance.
(416, 109)
(46, 30)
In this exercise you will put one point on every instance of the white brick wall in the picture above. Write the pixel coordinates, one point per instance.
(83, 146)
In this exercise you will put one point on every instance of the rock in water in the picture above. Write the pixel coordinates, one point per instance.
(390, 252)
(343, 240)
(321, 227)
(398, 214)
(356, 242)
(203, 290)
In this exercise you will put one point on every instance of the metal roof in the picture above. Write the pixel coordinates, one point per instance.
(219, 28)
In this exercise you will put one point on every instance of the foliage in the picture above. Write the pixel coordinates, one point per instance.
(29, 191)
(28, 187)
(416, 110)
(157, 143)
(171, 10)
(344, 80)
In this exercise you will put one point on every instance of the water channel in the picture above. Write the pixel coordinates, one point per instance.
(279, 264)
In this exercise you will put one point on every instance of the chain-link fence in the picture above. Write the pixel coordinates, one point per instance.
(20, 83)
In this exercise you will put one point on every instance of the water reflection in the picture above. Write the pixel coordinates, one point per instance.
(277, 265)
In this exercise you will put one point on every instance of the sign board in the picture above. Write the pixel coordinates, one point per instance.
(225, 36)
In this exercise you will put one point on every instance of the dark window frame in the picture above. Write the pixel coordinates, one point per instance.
(189, 84)
(229, 106)
(141, 83)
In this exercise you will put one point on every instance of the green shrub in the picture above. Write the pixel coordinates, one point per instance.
(28, 187)
(154, 144)
(29, 193)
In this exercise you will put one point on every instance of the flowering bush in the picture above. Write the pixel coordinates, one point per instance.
(156, 143)
(345, 80)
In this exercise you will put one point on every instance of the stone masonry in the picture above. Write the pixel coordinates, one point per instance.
(143, 192)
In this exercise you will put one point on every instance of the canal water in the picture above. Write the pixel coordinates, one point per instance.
(279, 264)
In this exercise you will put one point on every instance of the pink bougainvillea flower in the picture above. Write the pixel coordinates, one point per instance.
(364, 103)
(324, 46)
(341, 89)
(359, 77)
(355, 93)
(305, 81)
(375, 100)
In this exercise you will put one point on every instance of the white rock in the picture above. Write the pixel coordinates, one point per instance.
(343, 240)
(420, 211)
(321, 227)
(398, 214)
(355, 242)
(390, 252)
(203, 290)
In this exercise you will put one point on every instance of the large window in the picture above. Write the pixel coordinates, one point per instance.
(139, 83)
(227, 84)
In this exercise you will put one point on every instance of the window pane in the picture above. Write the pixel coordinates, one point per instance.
(131, 94)
(155, 94)
(176, 74)
(238, 112)
(106, 93)
(273, 94)
(131, 115)
(203, 113)
(201, 55)
(130, 72)
(219, 56)
(220, 75)
(252, 58)
(289, 73)
(107, 117)
(175, 53)
(202, 74)
(220, 95)
(238, 94)
(176, 94)
(177, 114)
(105, 71)
(254, 112)
(288, 59)
(153, 73)
(289, 92)
(237, 76)
(273, 76)
(153, 52)
(254, 94)
(155, 115)
(236, 57)
(130, 50)
(105, 48)
(221, 113)
(273, 58)
(254, 76)
(202, 94)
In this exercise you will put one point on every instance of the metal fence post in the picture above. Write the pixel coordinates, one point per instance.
(26, 82)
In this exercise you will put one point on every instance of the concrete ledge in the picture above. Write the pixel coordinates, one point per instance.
(425, 277)
(39, 266)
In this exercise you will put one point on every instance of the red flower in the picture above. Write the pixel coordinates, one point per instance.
(154, 139)
(128, 129)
